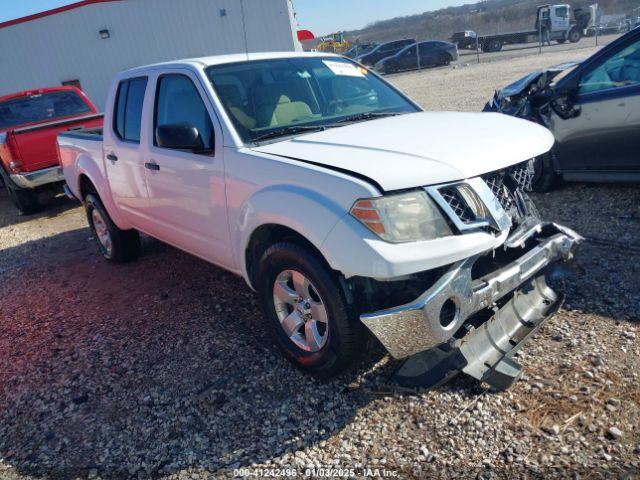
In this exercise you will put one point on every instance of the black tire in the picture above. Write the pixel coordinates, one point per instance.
(545, 178)
(125, 244)
(26, 201)
(346, 338)
(494, 45)
(574, 36)
(562, 40)
(445, 60)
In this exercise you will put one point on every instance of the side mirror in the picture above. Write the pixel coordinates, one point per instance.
(179, 136)
(565, 107)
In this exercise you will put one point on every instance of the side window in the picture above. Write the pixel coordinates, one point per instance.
(620, 70)
(128, 109)
(178, 101)
(562, 12)
(133, 112)
(410, 52)
(121, 100)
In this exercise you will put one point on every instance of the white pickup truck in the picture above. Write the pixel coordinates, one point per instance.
(346, 207)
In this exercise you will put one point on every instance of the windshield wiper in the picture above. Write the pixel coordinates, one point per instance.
(281, 132)
(365, 116)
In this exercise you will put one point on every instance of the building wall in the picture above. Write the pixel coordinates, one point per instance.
(66, 46)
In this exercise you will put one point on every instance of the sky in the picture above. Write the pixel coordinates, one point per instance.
(319, 16)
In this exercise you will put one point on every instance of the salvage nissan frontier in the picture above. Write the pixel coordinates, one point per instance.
(350, 211)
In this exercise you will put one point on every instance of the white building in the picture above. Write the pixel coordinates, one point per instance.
(87, 42)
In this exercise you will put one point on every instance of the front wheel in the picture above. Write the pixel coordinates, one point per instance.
(574, 36)
(545, 179)
(309, 317)
(116, 245)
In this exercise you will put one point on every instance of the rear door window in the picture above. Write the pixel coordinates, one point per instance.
(128, 109)
(41, 107)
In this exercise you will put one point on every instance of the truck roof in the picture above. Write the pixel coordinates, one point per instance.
(232, 58)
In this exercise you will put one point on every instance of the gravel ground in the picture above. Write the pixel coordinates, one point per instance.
(163, 368)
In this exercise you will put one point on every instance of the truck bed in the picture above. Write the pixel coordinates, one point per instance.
(79, 150)
(94, 134)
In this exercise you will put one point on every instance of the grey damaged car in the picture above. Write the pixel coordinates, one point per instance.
(593, 110)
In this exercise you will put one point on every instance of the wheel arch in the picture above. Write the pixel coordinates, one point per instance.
(91, 179)
(267, 235)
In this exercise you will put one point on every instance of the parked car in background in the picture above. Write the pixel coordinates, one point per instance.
(419, 55)
(613, 28)
(345, 206)
(359, 49)
(29, 125)
(592, 108)
(383, 51)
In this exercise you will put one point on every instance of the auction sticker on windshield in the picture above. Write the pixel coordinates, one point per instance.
(343, 69)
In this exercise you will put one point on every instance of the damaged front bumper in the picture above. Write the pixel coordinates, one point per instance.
(432, 319)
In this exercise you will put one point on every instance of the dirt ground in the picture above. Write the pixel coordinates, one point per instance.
(163, 368)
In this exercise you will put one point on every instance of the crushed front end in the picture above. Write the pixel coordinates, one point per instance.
(479, 311)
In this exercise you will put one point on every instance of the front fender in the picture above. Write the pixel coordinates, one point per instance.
(87, 166)
(303, 210)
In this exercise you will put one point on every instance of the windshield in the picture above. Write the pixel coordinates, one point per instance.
(564, 73)
(41, 107)
(277, 97)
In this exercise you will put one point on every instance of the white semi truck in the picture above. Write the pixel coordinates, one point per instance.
(562, 25)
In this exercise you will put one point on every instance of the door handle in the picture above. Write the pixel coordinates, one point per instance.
(152, 166)
(112, 157)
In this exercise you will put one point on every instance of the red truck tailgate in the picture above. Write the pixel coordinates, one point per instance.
(36, 144)
(32, 120)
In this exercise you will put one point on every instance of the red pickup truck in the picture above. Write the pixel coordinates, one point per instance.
(29, 125)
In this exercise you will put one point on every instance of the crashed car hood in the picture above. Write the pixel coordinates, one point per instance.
(420, 149)
(521, 85)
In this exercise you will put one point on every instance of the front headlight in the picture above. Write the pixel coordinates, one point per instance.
(406, 217)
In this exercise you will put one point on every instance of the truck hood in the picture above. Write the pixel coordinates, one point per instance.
(419, 149)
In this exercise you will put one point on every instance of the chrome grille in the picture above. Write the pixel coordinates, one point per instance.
(495, 181)
(509, 185)
(458, 205)
(523, 175)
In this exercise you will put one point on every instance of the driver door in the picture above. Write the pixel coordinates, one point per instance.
(605, 134)
(408, 58)
(187, 202)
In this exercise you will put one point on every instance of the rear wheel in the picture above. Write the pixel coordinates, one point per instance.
(26, 201)
(309, 317)
(115, 245)
(444, 60)
(494, 45)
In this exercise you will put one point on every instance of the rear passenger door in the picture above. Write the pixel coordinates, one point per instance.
(123, 157)
(187, 202)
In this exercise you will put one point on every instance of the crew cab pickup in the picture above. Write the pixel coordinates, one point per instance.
(29, 124)
(345, 206)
